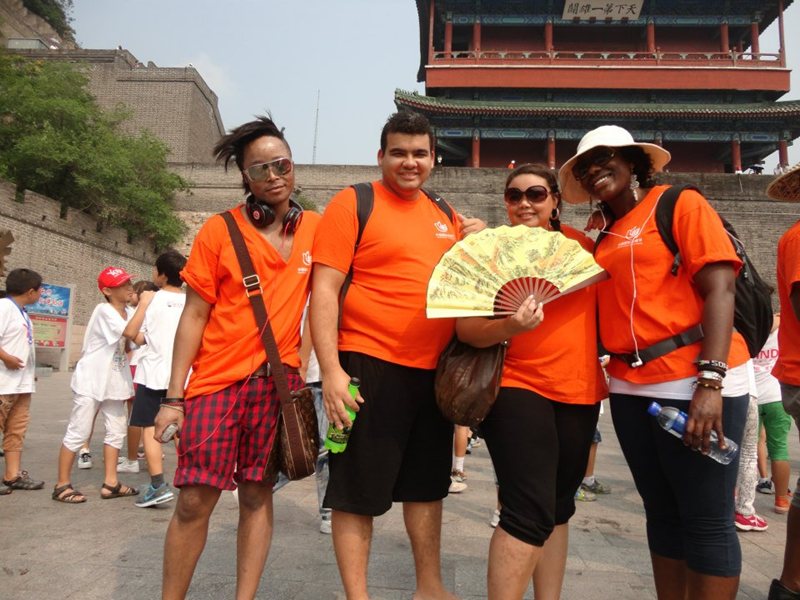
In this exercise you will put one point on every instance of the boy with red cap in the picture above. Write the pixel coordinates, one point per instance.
(101, 383)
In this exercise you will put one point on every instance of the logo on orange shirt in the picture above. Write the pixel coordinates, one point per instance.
(306, 261)
(443, 231)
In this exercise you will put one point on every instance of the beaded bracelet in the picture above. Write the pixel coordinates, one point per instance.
(712, 365)
(709, 385)
(177, 407)
(711, 375)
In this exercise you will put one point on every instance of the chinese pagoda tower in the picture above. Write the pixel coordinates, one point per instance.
(524, 80)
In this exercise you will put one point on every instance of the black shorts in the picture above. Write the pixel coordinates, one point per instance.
(539, 449)
(688, 498)
(146, 404)
(400, 449)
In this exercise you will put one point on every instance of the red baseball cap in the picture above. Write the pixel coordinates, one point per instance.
(112, 277)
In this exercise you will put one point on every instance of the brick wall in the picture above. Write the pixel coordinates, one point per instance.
(174, 103)
(67, 251)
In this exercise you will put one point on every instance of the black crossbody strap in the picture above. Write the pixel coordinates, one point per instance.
(252, 287)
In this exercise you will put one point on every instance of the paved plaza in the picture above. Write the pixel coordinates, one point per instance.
(109, 549)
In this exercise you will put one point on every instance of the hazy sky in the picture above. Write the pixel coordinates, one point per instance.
(260, 55)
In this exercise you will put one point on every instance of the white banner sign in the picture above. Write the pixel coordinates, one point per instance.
(602, 10)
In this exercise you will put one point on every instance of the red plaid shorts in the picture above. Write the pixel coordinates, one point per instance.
(227, 436)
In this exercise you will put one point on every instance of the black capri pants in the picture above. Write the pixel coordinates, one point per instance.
(539, 449)
(688, 497)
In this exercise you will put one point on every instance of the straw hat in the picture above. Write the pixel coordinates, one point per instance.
(611, 136)
(787, 186)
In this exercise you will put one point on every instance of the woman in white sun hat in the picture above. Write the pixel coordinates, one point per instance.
(671, 340)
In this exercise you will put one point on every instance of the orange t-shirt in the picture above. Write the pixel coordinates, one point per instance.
(787, 369)
(231, 348)
(654, 304)
(558, 359)
(384, 310)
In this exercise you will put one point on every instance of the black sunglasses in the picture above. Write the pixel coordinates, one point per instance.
(599, 157)
(535, 193)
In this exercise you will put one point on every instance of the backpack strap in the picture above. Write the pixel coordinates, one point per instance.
(665, 213)
(365, 200)
(440, 203)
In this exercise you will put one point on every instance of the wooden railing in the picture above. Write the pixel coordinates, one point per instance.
(716, 59)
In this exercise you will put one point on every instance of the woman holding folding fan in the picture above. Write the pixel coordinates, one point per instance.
(540, 429)
(668, 329)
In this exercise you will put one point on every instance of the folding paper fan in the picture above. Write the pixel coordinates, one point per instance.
(492, 272)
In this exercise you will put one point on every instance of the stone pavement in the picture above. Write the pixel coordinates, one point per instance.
(103, 550)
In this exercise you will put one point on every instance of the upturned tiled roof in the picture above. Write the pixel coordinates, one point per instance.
(434, 105)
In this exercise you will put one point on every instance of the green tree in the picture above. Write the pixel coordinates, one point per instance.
(55, 140)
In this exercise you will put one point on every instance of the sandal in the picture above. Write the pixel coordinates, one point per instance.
(118, 491)
(68, 494)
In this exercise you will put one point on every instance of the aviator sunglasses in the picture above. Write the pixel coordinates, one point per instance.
(535, 193)
(597, 158)
(261, 171)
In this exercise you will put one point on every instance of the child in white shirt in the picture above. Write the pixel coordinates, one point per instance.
(101, 382)
(153, 326)
(17, 374)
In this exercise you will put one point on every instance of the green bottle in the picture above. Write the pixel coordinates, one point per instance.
(336, 439)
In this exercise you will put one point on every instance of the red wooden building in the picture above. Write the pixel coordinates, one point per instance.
(525, 79)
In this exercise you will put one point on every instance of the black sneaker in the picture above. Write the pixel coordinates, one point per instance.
(778, 591)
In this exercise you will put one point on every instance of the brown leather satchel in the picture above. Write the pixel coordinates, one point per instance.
(296, 447)
(468, 380)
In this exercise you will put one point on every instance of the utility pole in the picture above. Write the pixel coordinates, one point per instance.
(316, 132)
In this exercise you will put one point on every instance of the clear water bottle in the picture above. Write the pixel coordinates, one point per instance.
(336, 439)
(674, 420)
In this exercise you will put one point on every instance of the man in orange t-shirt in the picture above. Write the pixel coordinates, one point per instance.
(400, 446)
(228, 418)
(787, 371)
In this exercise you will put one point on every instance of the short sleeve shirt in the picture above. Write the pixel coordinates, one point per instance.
(102, 371)
(787, 369)
(558, 359)
(16, 338)
(643, 303)
(231, 347)
(384, 311)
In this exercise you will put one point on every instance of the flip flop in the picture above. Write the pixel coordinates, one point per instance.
(117, 491)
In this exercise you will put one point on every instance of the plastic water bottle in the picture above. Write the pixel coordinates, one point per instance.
(674, 421)
(336, 439)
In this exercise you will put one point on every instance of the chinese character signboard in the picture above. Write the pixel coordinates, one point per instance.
(602, 10)
(50, 316)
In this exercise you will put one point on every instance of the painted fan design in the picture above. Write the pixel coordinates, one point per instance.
(492, 272)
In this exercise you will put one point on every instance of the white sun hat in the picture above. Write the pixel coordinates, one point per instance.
(612, 136)
(787, 186)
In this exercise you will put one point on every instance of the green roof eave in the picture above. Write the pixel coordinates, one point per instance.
(434, 105)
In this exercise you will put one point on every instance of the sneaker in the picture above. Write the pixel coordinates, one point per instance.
(583, 495)
(474, 442)
(495, 518)
(458, 476)
(140, 452)
(765, 487)
(456, 487)
(325, 525)
(4, 489)
(153, 496)
(128, 466)
(778, 591)
(597, 487)
(750, 523)
(84, 459)
(23, 481)
(782, 504)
